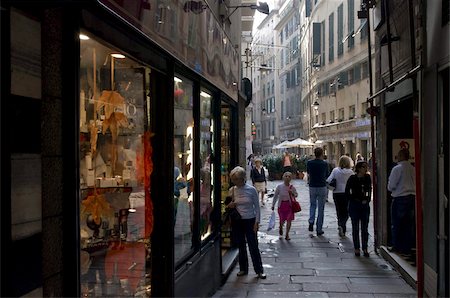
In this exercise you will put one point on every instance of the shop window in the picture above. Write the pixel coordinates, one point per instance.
(183, 166)
(228, 240)
(115, 165)
(206, 170)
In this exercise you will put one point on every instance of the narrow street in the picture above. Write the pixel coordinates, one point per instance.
(311, 266)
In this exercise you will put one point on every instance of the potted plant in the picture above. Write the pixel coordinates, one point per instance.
(274, 165)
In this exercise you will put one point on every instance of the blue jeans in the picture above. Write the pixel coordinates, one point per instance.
(317, 198)
(403, 223)
(359, 213)
(243, 229)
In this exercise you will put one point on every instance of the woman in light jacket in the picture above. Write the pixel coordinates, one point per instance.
(341, 174)
(245, 200)
(283, 194)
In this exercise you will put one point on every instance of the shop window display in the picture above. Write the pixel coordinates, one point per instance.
(116, 218)
(225, 152)
(183, 187)
(206, 170)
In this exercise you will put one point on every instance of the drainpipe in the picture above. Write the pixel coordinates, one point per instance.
(417, 147)
(368, 4)
(388, 36)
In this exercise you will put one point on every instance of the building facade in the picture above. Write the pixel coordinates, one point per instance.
(337, 77)
(415, 61)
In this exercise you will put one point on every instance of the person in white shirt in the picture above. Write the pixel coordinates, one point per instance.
(402, 184)
(341, 175)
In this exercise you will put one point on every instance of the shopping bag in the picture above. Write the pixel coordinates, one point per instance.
(271, 221)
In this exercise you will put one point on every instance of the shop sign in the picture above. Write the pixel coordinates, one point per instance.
(398, 144)
(362, 122)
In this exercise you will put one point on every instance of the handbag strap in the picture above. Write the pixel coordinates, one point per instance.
(232, 194)
(290, 195)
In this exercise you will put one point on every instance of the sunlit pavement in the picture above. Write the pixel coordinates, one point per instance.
(314, 266)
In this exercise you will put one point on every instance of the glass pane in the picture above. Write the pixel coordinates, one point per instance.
(183, 186)
(115, 166)
(206, 171)
(225, 158)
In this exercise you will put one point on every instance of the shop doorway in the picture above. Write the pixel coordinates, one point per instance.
(399, 119)
(444, 182)
(228, 249)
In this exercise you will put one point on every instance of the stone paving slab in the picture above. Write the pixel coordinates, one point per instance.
(321, 265)
(388, 289)
(378, 281)
(320, 279)
(286, 294)
(299, 272)
(350, 295)
(355, 273)
(319, 287)
(277, 288)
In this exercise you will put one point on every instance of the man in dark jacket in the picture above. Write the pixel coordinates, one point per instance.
(318, 172)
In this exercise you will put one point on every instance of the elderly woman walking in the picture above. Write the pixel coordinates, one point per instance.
(283, 194)
(245, 200)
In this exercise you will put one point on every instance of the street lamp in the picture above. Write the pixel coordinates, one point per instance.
(315, 105)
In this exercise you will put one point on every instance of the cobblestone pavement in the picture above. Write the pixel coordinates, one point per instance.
(312, 266)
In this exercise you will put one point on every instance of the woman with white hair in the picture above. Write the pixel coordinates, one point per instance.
(340, 175)
(245, 200)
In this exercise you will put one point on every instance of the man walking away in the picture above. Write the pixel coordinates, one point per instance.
(317, 170)
(402, 184)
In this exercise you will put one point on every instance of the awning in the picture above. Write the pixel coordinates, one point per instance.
(282, 145)
(299, 142)
(359, 28)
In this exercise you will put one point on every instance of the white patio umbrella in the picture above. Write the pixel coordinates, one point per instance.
(299, 142)
(283, 145)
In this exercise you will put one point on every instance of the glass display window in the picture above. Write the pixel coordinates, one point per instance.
(206, 170)
(116, 218)
(225, 159)
(183, 184)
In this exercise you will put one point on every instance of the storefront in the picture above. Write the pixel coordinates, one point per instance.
(132, 114)
(345, 137)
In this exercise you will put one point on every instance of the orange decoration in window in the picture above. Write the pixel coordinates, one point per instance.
(97, 206)
(148, 169)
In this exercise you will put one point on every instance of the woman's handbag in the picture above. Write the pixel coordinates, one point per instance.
(332, 184)
(294, 204)
(233, 214)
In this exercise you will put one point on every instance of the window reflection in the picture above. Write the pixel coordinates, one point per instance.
(183, 195)
(206, 170)
(115, 213)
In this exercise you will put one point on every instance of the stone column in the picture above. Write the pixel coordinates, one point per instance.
(52, 161)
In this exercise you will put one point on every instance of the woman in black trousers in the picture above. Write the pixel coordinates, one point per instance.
(245, 200)
(358, 190)
(340, 175)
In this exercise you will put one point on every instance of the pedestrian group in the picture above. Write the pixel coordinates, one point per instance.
(352, 193)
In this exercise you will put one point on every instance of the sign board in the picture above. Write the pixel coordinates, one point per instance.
(398, 144)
